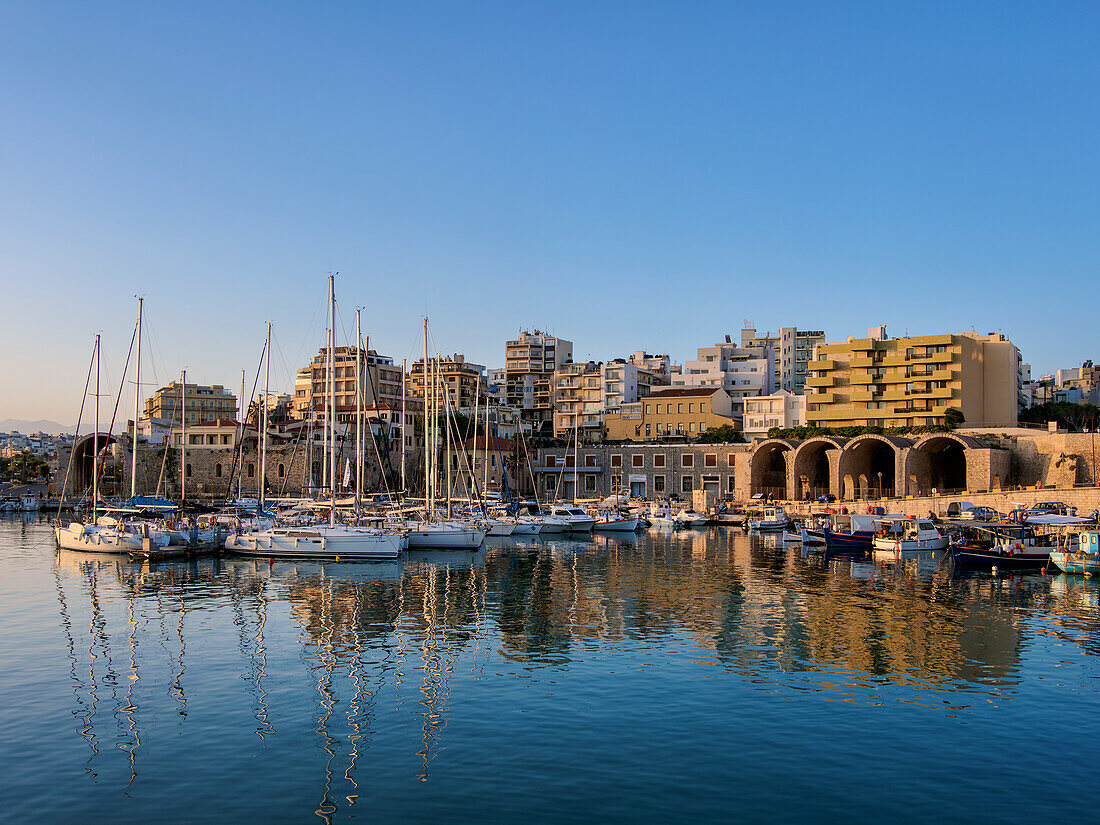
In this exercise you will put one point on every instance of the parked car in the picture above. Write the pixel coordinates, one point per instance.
(980, 514)
(1045, 508)
(828, 498)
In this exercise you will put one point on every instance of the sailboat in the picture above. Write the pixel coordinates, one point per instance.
(107, 533)
(431, 532)
(332, 540)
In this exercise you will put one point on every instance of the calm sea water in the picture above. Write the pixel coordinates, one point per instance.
(674, 678)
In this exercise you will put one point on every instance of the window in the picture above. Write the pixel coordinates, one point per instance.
(616, 482)
(551, 460)
(702, 406)
(730, 484)
(647, 430)
(730, 460)
(679, 408)
(570, 461)
(637, 460)
(251, 470)
(685, 484)
(702, 426)
(282, 471)
(616, 460)
(590, 461)
(590, 483)
(658, 484)
(659, 460)
(189, 471)
(691, 407)
(691, 426)
(710, 460)
(647, 409)
(217, 471)
(687, 460)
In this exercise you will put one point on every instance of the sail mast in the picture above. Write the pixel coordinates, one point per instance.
(137, 407)
(332, 396)
(95, 439)
(183, 436)
(263, 419)
(427, 459)
(404, 437)
(358, 413)
(240, 447)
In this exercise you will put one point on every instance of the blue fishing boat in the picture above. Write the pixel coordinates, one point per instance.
(1082, 556)
(1005, 545)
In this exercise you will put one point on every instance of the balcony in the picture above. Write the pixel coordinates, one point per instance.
(824, 381)
(822, 364)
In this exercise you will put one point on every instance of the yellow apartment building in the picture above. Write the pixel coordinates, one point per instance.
(908, 382)
(680, 412)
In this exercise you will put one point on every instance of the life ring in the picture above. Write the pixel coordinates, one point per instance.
(1023, 517)
(870, 509)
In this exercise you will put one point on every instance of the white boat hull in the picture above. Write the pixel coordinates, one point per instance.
(627, 525)
(347, 544)
(105, 539)
(444, 537)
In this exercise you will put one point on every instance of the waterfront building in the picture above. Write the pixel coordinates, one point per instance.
(674, 412)
(781, 409)
(578, 400)
(741, 371)
(913, 381)
(203, 402)
(463, 381)
(793, 348)
(626, 381)
(530, 361)
(380, 383)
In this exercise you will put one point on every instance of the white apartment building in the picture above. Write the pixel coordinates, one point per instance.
(530, 361)
(743, 372)
(780, 409)
(794, 349)
(627, 381)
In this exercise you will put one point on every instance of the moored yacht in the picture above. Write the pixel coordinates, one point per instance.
(576, 520)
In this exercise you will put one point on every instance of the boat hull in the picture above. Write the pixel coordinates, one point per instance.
(1075, 563)
(629, 525)
(978, 557)
(859, 540)
(348, 547)
(444, 538)
(104, 540)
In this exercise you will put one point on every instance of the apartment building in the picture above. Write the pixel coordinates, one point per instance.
(742, 372)
(202, 402)
(530, 361)
(578, 400)
(380, 383)
(626, 381)
(781, 409)
(793, 348)
(675, 412)
(464, 382)
(905, 382)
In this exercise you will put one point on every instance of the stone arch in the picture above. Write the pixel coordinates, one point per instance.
(866, 456)
(814, 466)
(768, 467)
(83, 459)
(939, 461)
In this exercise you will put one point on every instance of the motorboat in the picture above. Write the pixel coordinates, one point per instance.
(774, 518)
(689, 518)
(1080, 554)
(323, 541)
(904, 535)
(576, 520)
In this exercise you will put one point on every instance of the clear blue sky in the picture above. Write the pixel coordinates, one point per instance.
(635, 175)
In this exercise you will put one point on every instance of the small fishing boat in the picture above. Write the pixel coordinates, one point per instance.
(689, 518)
(612, 523)
(905, 535)
(1079, 555)
(774, 518)
(1007, 545)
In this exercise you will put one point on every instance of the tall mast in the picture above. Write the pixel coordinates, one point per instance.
(95, 439)
(485, 456)
(404, 437)
(477, 409)
(324, 419)
(332, 396)
(183, 436)
(263, 419)
(446, 399)
(358, 414)
(576, 449)
(137, 406)
(240, 446)
(427, 411)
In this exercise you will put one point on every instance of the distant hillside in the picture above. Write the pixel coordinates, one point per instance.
(27, 427)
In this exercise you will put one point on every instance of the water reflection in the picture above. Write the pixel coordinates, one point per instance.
(374, 646)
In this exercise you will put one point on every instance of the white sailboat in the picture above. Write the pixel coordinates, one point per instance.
(332, 540)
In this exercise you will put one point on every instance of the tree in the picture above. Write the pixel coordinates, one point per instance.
(953, 417)
(1074, 417)
(726, 434)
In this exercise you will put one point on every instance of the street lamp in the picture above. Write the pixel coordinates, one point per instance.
(880, 483)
